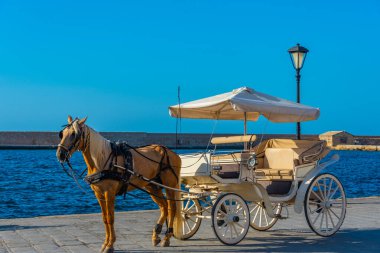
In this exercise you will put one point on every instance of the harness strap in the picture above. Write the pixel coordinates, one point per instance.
(117, 149)
(168, 165)
(109, 174)
(101, 175)
(124, 149)
(151, 181)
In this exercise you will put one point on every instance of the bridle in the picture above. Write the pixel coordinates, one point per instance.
(73, 147)
(75, 144)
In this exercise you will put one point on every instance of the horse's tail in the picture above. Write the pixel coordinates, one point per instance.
(178, 226)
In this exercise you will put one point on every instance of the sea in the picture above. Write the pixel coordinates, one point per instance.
(32, 183)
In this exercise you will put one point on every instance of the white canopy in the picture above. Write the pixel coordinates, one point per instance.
(232, 106)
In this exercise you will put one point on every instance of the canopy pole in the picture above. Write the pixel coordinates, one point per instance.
(245, 129)
(245, 123)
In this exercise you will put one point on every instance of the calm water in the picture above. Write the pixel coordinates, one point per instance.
(33, 183)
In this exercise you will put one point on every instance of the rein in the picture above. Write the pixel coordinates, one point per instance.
(73, 174)
(131, 172)
(147, 179)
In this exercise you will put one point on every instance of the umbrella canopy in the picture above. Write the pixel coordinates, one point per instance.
(235, 104)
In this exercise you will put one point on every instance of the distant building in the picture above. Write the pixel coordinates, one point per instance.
(334, 138)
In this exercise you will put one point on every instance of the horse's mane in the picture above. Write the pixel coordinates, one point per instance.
(100, 148)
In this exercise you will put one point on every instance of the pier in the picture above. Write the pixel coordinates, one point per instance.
(84, 233)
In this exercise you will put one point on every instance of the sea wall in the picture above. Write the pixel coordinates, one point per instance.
(368, 140)
(50, 140)
(39, 140)
(43, 140)
(357, 147)
(28, 139)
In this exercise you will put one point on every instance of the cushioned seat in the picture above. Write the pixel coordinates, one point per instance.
(278, 164)
(307, 151)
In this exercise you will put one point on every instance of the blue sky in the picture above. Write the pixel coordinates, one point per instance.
(120, 62)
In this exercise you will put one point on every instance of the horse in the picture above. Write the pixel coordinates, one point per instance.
(152, 162)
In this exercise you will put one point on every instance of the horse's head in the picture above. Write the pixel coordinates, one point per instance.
(71, 136)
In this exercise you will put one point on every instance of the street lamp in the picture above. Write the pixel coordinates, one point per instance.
(298, 56)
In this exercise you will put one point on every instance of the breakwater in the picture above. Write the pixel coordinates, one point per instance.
(357, 147)
(48, 140)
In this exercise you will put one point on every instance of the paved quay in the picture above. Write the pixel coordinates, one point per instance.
(84, 233)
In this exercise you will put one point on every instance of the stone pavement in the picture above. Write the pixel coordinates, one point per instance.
(84, 233)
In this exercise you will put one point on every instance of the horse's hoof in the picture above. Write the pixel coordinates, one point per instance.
(156, 241)
(165, 243)
(102, 249)
(108, 250)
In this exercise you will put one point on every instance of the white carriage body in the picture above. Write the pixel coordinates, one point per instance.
(197, 168)
(287, 171)
(278, 160)
(283, 167)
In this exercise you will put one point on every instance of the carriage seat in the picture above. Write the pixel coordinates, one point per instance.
(278, 164)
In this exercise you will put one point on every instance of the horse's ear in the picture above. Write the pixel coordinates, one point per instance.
(81, 122)
(69, 119)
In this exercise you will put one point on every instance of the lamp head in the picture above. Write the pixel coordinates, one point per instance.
(298, 56)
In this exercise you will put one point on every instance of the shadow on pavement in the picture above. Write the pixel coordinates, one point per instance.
(350, 240)
(17, 227)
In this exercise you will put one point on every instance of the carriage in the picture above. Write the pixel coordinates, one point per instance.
(253, 187)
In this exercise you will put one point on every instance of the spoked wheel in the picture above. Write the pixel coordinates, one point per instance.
(259, 216)
(325, 205)
(230, 218)
(191, 209)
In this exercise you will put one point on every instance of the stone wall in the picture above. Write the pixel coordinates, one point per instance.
(50, 139)
(357, 147)
(17, 139)
(367, 140)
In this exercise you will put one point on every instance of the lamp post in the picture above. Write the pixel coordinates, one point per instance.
(298, 56)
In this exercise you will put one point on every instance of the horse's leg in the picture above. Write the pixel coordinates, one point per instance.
(102, 203)
(110, 217)
(171, 214)
(161, 202)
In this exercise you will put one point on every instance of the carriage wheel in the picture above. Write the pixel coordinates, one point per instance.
(191, 209)
(230, 218)
(259, 216)
(325, 205)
